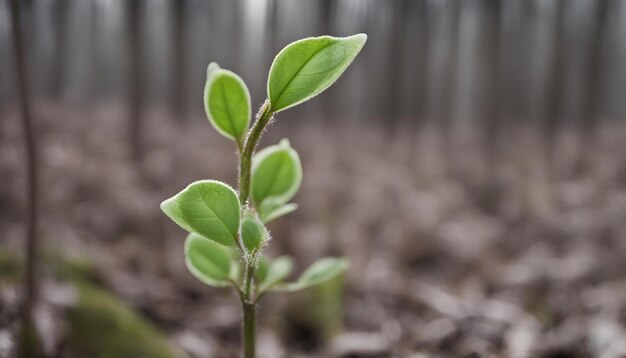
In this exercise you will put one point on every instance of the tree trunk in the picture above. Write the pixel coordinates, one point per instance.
(449, 80)
(60, 52)
(419, 108)
(179, 57)
(590, 121)
(326, 15)
(492, 115)
(136, 80)
(554, 91)
(400, 10)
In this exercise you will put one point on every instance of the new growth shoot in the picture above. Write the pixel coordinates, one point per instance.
(227, 233)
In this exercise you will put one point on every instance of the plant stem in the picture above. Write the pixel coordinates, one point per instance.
(263, 118)
(248, 303)
(247, 286)
(248, 306)
(249, 325)
(30, 294)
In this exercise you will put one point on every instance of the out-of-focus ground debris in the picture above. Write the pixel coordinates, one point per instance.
(434, 270)
(360, 345)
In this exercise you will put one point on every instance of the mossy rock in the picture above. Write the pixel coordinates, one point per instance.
(63, 267)
(101, 326)
(72, 267)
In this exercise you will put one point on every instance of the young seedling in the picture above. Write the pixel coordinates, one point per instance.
(227, 230)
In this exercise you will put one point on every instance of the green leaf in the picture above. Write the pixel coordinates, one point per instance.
(235, 265)
(235, 271)
(320, 271)
(227, 102)
(207, 261)
(262, 267)
(253, 233)
(278, 212)
(276, 177)
(207, 207)
(276, 271)
(210, 69)
(307, 67)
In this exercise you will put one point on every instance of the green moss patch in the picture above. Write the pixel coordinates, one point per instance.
(101, 326)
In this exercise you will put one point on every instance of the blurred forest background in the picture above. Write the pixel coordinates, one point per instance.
(471, 164)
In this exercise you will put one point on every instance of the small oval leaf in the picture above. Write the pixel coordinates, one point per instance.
(227, 102)
(207, 207)
(253, 233)
(278, 212)
(277, 271)
(207, 261)
(276, 177)
(307, 67)
(320, 271)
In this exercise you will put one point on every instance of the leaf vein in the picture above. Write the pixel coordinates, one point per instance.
(299, 70)
(204, 201)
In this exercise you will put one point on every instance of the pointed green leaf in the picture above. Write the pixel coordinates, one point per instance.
(277, 271)
(207, 207)
(207, 261)
(307, 67)
(320, 271)
(253, 233)
(276, 177)
(227, 102)
(278, 212)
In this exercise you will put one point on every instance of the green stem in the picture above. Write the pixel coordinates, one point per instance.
(263, 118)
(248, 303)
(247, 286)
(249, 323)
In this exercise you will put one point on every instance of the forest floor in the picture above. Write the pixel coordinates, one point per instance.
(443, 262)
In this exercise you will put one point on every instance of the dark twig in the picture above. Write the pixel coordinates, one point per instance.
(30, 289)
